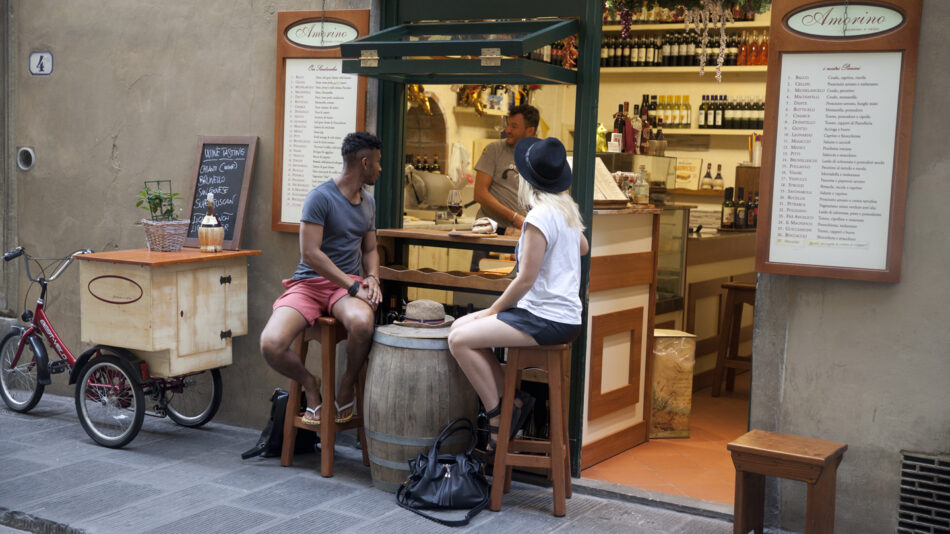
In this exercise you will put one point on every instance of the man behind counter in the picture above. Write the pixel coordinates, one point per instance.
(496, 178)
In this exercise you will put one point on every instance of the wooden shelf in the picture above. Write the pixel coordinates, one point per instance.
(689, 69)
(697, 192)
(760, 23)
(453, 279)
(708, 131)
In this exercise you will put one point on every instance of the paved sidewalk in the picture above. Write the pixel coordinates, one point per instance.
(170, 479)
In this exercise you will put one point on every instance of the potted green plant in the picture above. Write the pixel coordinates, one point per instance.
(164, 231)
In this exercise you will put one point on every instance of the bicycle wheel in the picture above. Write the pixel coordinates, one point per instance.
(110, 403)
(18, 385)
(196, 400)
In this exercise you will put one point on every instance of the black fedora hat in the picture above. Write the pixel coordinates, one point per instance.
(543, 163)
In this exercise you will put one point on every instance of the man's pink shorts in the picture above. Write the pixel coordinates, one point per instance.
(312, 297)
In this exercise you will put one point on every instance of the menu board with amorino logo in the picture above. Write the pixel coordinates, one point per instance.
(316, 106)
(834, 169)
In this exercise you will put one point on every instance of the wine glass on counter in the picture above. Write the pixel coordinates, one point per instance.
(454, 203)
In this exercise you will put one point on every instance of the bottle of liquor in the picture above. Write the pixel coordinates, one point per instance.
(690, 49)
(743, 57)
(701, 116)
(750, 213)
(636, 125)
(652, 110)
(741, 209)
(210, 233)
(425, 163)
(642, 52)
(753, 48)
(764, 49)
(760, 114)
(732, 53)
(755, 211)
(729, 115)
(659, 131)
(618, 122)
(645, 137)
(686, 113)
(717, 180)
(728, 215)
(418, 163)
(711, 112)
(666, 50)
(626, 50)
(436, 168)
(604, 55)
(720, 109)
(650, 52)
(747, 120)
(707, 181)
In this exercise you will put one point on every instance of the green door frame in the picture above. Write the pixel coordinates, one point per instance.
(389, 203)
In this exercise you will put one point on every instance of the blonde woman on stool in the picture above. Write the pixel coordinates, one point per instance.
(542, 305)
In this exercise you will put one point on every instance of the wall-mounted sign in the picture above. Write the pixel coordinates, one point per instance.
(845, 20)
(41, 63)
(321, 33)
(837, 139)
(316, 106)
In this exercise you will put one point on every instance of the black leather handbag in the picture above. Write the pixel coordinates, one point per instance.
(446, 481)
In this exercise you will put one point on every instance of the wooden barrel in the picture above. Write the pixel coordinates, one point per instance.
(414, 387)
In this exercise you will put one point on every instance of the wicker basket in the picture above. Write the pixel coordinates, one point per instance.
(165, 236)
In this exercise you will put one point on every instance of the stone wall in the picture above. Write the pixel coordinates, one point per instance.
(867, 363)
(134, 84)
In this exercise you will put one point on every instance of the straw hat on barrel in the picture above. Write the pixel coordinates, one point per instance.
(425, 314)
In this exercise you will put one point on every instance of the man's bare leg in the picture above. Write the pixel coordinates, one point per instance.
(359, 320)
(283, 327)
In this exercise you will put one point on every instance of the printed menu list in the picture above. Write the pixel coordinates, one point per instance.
(319, 111)
(834, 159)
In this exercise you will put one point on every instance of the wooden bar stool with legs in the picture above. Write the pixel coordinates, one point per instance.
(728, 359)
(328, 332)
(552, 454)
(759, 453)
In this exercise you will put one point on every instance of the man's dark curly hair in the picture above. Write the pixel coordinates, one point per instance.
(529, 112)
(357, 141)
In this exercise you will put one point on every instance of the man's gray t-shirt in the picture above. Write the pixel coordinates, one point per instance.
(344, 225)
(498, 161)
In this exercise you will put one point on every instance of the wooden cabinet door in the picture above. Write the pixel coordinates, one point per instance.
(202, 312)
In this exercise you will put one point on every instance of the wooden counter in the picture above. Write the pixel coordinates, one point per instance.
(144, 256)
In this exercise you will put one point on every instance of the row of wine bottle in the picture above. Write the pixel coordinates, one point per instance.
(654, 14)
(682, 49)
(739, 212)
(421, 163)
(716, 111)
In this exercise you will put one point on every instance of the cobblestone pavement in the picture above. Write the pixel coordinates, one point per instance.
(54, 478)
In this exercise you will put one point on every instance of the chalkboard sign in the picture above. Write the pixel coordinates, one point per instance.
(223, 167)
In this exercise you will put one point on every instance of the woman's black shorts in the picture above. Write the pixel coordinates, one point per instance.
(544, 331)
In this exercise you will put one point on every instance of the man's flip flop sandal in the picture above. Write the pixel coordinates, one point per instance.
(311, 416)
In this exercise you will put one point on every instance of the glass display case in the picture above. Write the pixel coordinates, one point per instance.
(671, 261)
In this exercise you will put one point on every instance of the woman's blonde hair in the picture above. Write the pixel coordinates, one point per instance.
(532, 197)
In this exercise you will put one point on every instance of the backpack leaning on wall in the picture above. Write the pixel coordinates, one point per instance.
(271, 441)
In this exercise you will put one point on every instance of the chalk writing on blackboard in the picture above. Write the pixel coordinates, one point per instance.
(223, 168)
(220, 172)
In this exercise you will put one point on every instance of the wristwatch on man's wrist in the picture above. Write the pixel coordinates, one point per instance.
(354, 289)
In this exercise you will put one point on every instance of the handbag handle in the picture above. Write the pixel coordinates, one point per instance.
(450, 429)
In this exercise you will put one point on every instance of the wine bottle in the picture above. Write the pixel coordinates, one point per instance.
(604, 57)
(749, 213)
(741, 208)
(743, 57)
(436, 168)
(690, 49)
(425, 163)
(618, 122)
(686, 113)
(728, 214)
(755, 211)
(701, 116)
(717, 180)
(729, 115)
(666, 51)
(652, 110)
(642, 52)
(707, 181)
(210, 233)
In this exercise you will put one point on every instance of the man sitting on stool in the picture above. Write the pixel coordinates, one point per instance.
(337, 236)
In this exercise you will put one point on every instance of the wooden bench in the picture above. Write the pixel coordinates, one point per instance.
(759, 453)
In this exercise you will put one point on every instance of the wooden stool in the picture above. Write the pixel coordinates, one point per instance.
(728, 359)
(328, 332)
(758, 454)
(552, 454)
